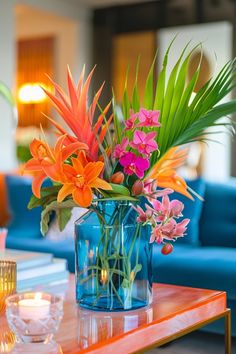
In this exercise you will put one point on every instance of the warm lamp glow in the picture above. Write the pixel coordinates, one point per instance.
(31, 93)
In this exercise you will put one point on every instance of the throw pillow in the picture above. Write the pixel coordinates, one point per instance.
(23, 222)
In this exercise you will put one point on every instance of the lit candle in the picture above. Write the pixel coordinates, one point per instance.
(104, 276)
(34, 309)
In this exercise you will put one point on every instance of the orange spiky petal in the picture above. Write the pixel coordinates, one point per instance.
(165, 174)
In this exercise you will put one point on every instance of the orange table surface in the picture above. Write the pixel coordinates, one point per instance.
(174, 310)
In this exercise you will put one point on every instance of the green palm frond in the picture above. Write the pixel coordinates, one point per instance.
(5, 92)
(183, 119)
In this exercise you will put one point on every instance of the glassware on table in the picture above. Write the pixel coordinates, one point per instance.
(34, 317)
(7, 281)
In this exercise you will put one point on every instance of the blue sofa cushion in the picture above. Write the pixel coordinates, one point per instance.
(24, 222)
(192, 210)
(200, 267)
(218, 220)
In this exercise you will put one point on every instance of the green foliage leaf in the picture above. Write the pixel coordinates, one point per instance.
(62, 212)
(126, 102)
(119, 189)
(48, 194)
(149, 87)
(117, 123)
(63, 216)
(135, 95)
(117, 197)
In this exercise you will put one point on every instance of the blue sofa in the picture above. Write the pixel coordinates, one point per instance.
(205, 258)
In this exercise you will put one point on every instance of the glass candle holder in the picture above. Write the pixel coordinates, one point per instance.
(7, 281)
(34, 317)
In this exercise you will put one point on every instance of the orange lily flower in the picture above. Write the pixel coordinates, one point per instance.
(81, 178)
(47, 161)
(80, 118)
(164, 172)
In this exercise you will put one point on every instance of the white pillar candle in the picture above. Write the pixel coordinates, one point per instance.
(34, 309)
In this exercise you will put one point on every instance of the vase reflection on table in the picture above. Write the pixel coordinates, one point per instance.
(113, 258)
(95, 327)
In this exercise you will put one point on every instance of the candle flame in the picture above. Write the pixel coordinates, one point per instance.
(38, 296)
(104, 276)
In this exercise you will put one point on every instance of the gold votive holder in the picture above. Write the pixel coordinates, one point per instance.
(7, 338)
(7, 281)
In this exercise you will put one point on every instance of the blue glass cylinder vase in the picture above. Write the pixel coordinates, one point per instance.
(113, 258)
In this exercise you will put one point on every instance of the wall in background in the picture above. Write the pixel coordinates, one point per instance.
(32, 23)
(127, 49)
(7, 70)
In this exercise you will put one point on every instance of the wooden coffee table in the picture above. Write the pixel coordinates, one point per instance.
(175, 311)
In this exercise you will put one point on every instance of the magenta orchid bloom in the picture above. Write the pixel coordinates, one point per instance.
(144, 143)
(148, 118)
(119, 149)
(134, 164)
(130, 122)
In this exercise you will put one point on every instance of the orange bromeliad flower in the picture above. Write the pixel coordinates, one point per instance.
(164, 172)
(82, 176)
(80, 118)
(47, 161)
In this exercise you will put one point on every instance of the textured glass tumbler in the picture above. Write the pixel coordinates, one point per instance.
(34, 317)
(7, 281)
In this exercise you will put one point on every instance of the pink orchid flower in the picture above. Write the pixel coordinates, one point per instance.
(134, 164)
(119, 149)
(169, 231)
(151, 191)
(166, 208)
(181, 227)
(176, 208)
(130, 122)
(144, 143)
(143, 216)
(173, 230)
(156, 235)
(148, 118)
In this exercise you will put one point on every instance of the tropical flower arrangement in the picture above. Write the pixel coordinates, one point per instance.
(138, 162)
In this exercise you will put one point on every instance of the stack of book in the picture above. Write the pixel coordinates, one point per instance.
(38, 271)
